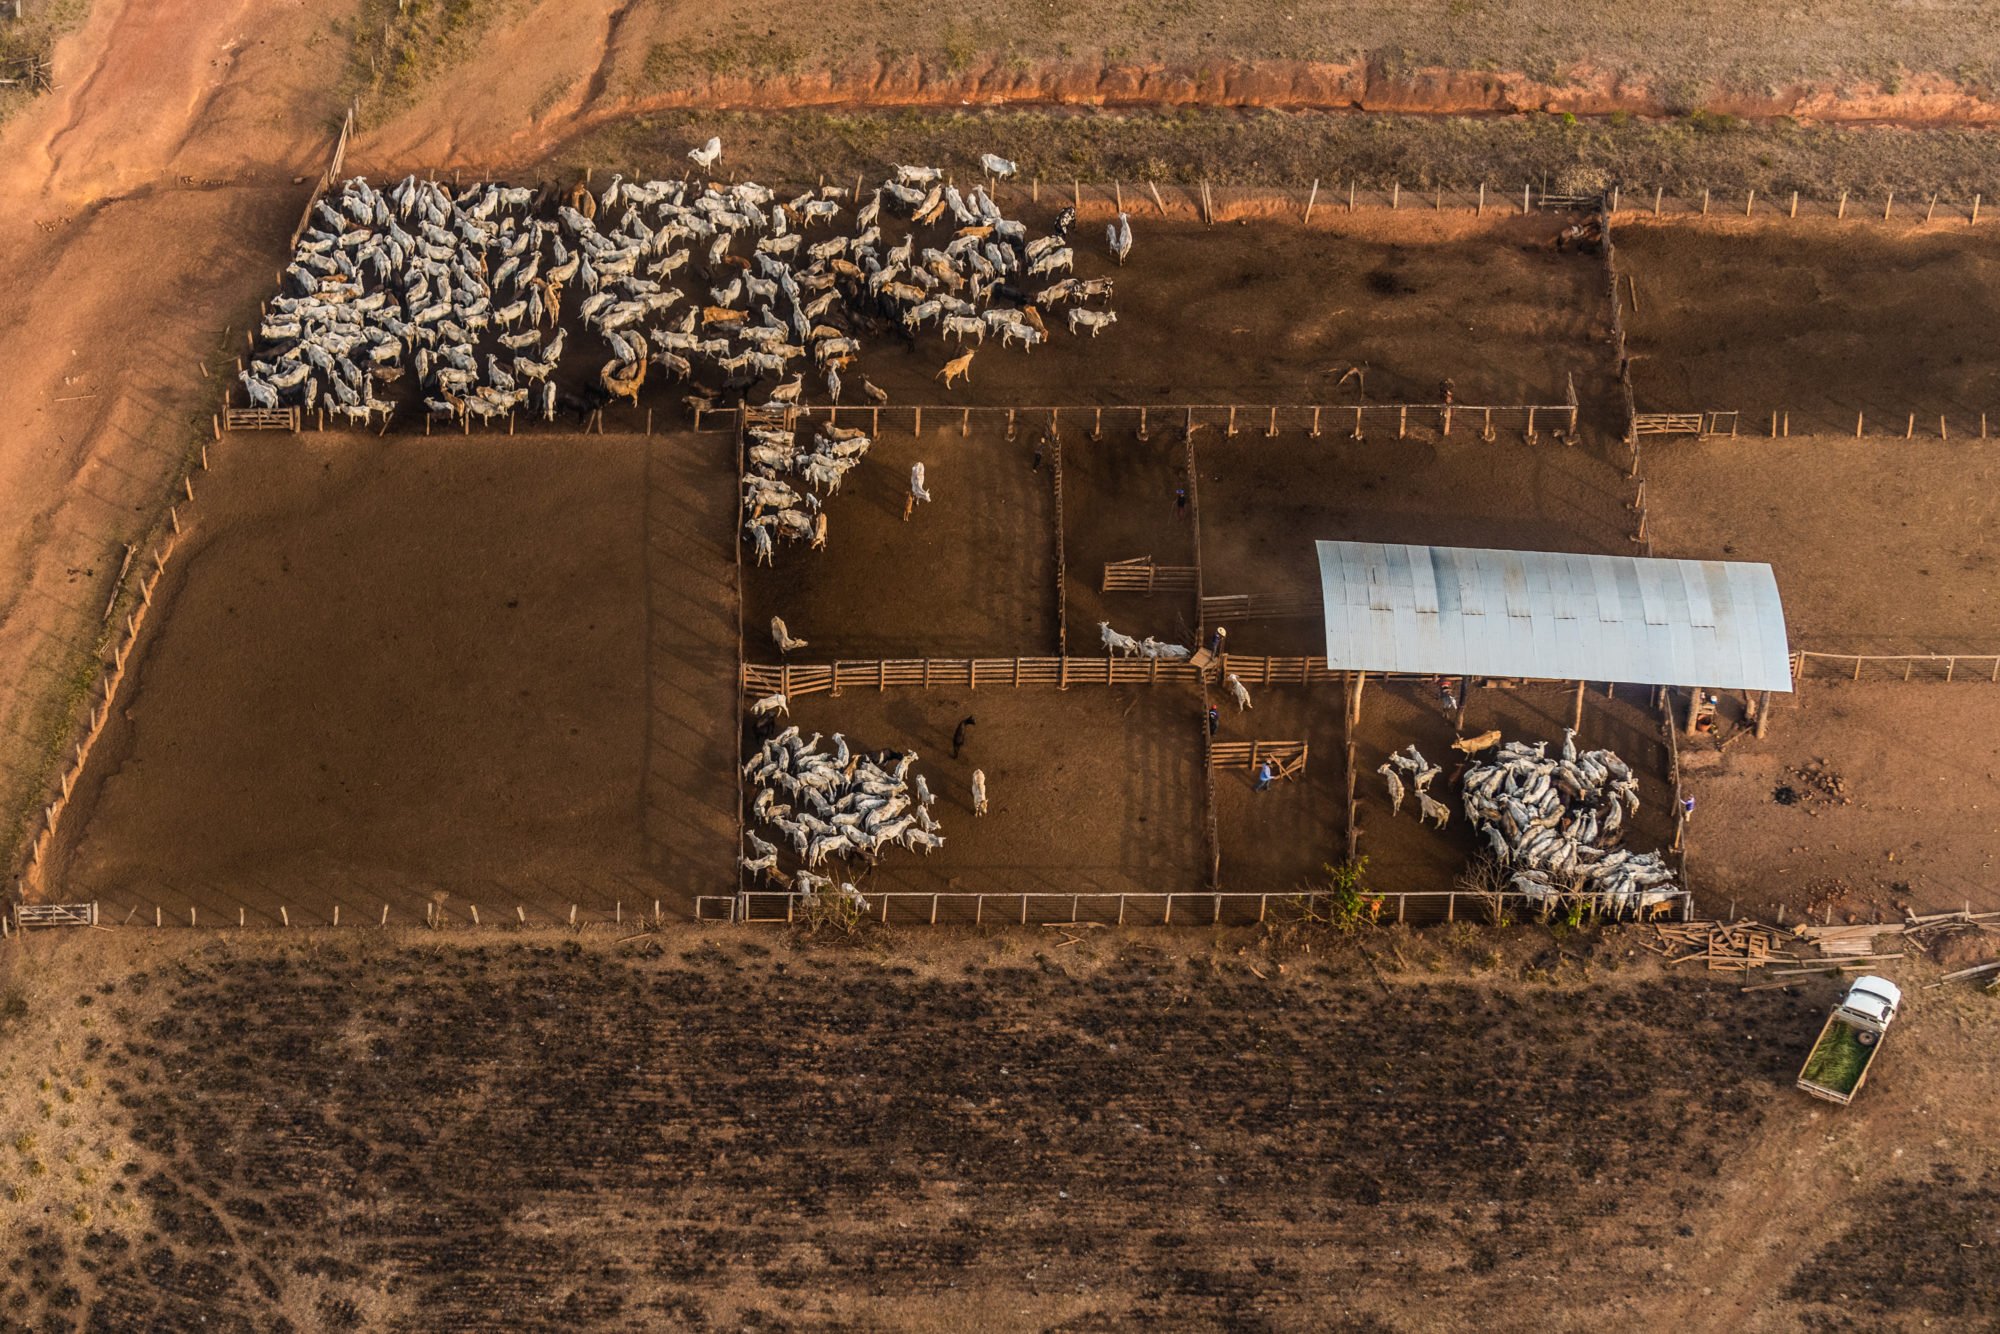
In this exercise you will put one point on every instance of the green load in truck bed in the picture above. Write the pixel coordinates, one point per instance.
(1840, 1057)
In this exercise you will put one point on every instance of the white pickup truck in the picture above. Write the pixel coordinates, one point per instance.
(1840, 1060)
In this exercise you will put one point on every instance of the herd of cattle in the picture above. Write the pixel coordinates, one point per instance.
(843, 804)
(1552, 825)
(470, 295)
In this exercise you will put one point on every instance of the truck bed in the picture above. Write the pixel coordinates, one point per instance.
(1839, 1061)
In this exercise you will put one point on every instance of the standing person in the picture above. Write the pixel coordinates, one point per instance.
(1041, 443)
(1214, 720)
(1218, 640)
(1447, 697)
(1181, 502)
(958, 734)
(1264, 775)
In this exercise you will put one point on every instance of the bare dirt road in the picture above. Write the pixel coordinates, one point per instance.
(147, 201)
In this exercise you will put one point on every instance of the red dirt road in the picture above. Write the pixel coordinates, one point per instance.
(148, 198)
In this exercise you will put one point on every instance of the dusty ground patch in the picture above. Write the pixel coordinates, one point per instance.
(401, 670)
(1821, 321)
(1880, 546)
(1891, 796)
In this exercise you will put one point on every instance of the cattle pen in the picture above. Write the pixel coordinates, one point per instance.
(1052, 470)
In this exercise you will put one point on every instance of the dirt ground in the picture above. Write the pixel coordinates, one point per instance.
(1864, 797)
(148, 198)
(1119, 504)
(1279, 314)
(1880, 546)
(970, 574)
(1264, 503)
(465, 670)
(555, 1132)
(1091, 790)
(547, 1131)
(1819, 319)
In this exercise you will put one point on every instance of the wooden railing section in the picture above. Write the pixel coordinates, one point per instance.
(1287, 757)
(1895, 666)
(792, 679)
(261, 419)
(1258, 606)
(1141, 575)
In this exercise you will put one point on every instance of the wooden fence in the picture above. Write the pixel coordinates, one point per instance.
(1354, 421)
(1720, 421)
(1896, 667)
(1288, 757)
(761, 679)
(1211, 825)
(793, 679)
(261, 419)
(55, 914)
(1141, 575)
(1668, 423)
(1210, 907)
(1062, 546)
(1845, 204)
(327, 180)
(35, 73)
(33, 876)
(1218, 607)
(1828, 420)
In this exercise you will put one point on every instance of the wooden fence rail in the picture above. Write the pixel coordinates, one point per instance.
(1289, 757)
(1163, 908)
(327, 179)
(261, 419)
(55, 914)
(1262, 420)
(793, 679)
(1062, 545)
(1807, 665)
(1141, 575)
(1716, 421)
(1218, 607)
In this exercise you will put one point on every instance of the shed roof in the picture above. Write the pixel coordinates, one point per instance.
(1479, 612)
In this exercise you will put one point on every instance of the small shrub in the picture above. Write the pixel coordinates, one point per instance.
(1345, 904)
(832, 910)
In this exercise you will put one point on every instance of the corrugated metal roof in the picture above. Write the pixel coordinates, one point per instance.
(1453, 611)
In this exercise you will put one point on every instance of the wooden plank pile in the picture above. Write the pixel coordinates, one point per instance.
(1847, 942)
(1724, 946)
